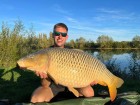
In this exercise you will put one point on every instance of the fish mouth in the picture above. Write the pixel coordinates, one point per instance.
(20, 63)
(24, 68)
(17, 66)
(20, 67)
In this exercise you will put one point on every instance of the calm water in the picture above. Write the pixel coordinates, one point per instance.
(124, 60)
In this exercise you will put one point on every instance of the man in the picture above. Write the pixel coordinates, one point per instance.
(60, 35)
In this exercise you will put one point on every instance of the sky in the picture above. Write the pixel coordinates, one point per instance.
(119, 19)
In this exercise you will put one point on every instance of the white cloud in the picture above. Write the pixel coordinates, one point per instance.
(109, 14)
(60, 10)
(103, 10)
(71, 20)
(43, 23)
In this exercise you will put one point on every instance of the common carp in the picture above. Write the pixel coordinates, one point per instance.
(71, 68)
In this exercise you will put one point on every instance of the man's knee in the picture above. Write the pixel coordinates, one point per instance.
(42, 94)
(88, 93)
(39, 99)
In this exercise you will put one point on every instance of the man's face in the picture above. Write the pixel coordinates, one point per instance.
(60, 40)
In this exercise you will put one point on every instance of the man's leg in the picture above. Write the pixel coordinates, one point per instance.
(42, 94)
(46, 92)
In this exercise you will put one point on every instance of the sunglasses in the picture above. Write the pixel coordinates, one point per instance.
(58, 33)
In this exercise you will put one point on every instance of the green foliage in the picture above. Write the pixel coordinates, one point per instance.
(90, 44)
(17, 85)
(104, 38)
(72, 43)
(121, 45)
(136, 38)
(17, 42)
(8, 44)
(78, 43)
(105, 41)
(81, 43)
(136, 41)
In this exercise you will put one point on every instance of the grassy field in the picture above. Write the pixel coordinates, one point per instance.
(17, 85)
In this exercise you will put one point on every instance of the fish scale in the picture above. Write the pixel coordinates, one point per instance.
(72, 68)
(78, 63)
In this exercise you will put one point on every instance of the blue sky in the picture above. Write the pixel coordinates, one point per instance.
(119, 19)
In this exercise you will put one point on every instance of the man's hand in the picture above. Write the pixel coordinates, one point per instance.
(41, 74)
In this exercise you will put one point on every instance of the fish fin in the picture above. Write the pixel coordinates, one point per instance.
(102, 83)
(112, 92)
(117, 82)
(74, 91)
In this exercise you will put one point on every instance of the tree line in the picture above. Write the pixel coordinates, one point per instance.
(17, 42)
(105, 42)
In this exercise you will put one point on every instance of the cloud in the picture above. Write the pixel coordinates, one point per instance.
(43, 27)
(70, 19)
(103, 10)
(92, 33)
(113, 15)
(43, 24)
(111, 12)
(58, 8)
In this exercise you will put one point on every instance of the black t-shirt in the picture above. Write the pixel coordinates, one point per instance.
(64, 47)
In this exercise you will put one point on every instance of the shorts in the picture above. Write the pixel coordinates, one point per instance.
(57, 88)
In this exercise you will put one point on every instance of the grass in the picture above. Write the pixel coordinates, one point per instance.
(17, 85)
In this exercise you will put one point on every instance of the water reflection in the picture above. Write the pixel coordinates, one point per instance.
(120, 61)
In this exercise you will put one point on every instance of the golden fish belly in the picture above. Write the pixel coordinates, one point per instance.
(70, 77)
(75, 68)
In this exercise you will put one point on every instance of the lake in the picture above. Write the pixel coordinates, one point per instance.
(123, 61)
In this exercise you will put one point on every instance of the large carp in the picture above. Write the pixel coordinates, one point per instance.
(71, 68)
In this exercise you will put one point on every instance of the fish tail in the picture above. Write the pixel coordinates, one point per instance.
(117, 82)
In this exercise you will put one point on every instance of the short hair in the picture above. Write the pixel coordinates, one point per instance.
(60, 25)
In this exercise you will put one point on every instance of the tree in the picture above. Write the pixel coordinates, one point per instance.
(90, 44)
(50, 39)
(136, 41)
(9, 41)
(72, 43)
(105, 41)
(42, 41)
(80, 43)
(136, 38)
